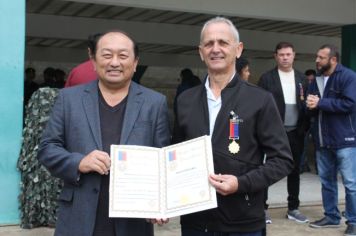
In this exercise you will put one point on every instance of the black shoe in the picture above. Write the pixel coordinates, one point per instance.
(324, 223)
(350, 230)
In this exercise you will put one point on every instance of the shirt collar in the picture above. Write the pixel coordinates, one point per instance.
(210, 94)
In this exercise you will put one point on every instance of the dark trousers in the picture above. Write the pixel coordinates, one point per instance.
(193, 232)
(296, 143)
(293, 179)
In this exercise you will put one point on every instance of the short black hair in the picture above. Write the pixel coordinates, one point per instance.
(334, 51)
(281, 45)
(94, 39)
(240, 64)
(186, 73)
(30, 70)
(310, 72)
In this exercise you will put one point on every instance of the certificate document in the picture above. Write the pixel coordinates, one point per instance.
(148, 182)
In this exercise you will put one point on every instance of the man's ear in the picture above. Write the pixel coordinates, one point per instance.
(239, 49)
(201, 54)
(333, 60)
(92, 58)
(90, 54)
(136, 63)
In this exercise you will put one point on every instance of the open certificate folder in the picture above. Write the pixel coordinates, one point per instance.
(148, 182)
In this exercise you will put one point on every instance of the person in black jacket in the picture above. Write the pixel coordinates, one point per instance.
(243, 123)
(287, 86)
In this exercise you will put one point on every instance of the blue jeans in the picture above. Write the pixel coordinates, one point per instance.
(329, 162)
(193, 232)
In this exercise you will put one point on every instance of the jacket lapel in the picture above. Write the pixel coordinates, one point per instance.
(201, 110)
(133, 106)
(90, 101)
(278, 84)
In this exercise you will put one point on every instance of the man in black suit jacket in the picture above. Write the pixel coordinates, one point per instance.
(288, 89)
(243, 123)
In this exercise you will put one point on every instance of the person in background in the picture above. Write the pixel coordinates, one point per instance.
(288, 89)
(29, 86)
(49, 78)
(310, 75)
(188, 80)
(81, 74)
(243, 68)
(237, 115)
(304, 166)
(84, 72)
(85, 121)
(332, 100)
(59, 75)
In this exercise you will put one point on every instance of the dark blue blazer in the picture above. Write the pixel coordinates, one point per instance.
(336, 108)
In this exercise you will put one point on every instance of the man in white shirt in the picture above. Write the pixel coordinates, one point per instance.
(287, 87)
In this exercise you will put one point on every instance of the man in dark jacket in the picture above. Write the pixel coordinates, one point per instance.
(287, 87)
(243, 123)
(332, 100)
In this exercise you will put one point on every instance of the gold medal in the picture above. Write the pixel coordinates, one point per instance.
(234, 147)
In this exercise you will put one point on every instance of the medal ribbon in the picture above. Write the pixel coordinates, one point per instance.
(301, 92)
(234, 129)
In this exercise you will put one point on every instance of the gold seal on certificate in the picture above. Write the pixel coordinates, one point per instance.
(234, 147)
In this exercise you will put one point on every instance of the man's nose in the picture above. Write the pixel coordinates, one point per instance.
(216, 46)
(115, 61)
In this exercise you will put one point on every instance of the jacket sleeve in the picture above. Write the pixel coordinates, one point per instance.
(52, 152)
(340, 101)
(262, 82)
(162, 131)
(274, 143)
(178, 133)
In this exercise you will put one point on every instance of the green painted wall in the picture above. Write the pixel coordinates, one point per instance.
(349, 46)
(12, 48)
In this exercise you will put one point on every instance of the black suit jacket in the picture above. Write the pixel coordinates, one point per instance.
(271, 82)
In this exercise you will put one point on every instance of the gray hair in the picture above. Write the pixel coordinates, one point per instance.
(220, 19)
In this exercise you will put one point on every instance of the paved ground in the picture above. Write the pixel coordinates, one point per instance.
(310, 205)
(280, 226)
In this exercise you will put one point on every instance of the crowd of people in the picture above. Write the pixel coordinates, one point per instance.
(275, 120)
(52, 78)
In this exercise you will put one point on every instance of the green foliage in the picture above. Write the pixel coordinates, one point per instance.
(39, 190)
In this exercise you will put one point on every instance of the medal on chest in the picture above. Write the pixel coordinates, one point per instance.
(234, 137)
(301, 92)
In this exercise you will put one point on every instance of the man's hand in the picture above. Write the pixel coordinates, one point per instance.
(312, 101)
(224, 184)
(96, 161)
(159, 221)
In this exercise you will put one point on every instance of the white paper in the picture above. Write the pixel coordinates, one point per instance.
(148, 182)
